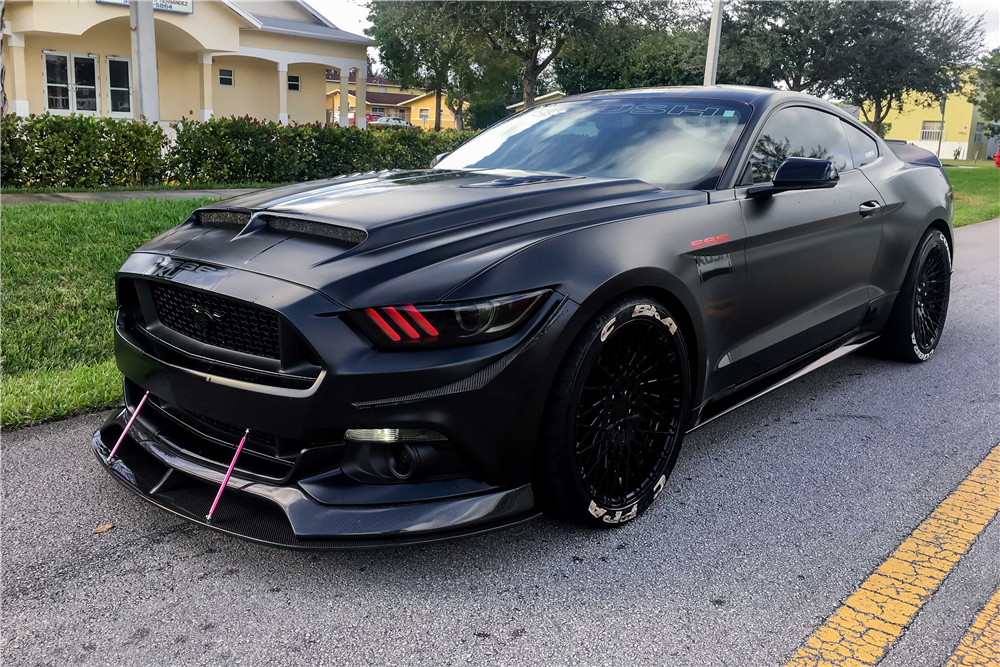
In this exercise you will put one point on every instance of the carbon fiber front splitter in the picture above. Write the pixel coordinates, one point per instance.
(285, 516)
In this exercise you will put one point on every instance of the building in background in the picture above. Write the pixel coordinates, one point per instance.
(264, 59)
(960, 135)
(385, 98)
(541, 99)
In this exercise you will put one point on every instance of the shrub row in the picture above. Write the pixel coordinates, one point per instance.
(79, 151)
(82, 151)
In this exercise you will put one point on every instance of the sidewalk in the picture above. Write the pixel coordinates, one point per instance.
(77, 197)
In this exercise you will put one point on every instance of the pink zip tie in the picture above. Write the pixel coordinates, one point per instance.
(225, 480)
(121, 438)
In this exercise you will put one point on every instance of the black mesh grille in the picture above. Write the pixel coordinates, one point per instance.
(236, 431)
(224, 218)
(213, 320)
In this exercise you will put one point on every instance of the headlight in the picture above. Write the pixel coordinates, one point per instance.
(448, 324)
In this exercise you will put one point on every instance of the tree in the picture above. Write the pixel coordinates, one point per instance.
(533, 32)
(921, 49)
(802, 45)
(985, 91)
(480, 75)
(418, 46)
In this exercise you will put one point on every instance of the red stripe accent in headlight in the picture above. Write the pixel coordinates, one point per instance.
(381, 324)
(420, 320)
(400, 322)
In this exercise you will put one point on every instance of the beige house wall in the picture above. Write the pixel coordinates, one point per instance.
(254, 91)
(308, 104)
(317, 47)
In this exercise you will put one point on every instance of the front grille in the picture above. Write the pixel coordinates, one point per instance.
(236, 431)
(213, 320)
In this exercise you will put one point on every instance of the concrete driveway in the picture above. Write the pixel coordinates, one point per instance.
(774, 516)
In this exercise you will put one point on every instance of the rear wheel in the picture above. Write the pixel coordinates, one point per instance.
(918, 315)
(617, 415)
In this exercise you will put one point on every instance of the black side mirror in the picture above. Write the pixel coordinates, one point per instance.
(438, 158)
(799, 173)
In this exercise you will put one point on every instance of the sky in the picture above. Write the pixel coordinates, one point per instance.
(351, 15)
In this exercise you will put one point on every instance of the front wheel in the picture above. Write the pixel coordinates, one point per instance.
(918, 315)
(617, 415)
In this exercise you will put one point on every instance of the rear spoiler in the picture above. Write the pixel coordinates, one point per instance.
(913, 154)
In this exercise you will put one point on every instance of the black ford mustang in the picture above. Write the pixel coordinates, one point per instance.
(531, 325)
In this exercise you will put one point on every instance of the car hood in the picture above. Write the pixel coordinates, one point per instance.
(425, 232)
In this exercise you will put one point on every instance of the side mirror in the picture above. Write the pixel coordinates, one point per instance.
(438, 158)
(799, 173)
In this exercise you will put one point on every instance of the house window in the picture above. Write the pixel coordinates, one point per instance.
(978, 139)
(381, 89)
(293, 82)
(378, 112)
(226, 78)
(401, 113)
(931, 130)
(70, 83)
(425, 114)
(119, 86)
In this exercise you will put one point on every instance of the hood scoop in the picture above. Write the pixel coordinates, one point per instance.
(515, 181)
(245, 222)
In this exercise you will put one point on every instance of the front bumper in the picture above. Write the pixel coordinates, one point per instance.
(285, 516)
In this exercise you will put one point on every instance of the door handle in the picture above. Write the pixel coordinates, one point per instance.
(869, 209)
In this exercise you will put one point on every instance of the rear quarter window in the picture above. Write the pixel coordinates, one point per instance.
(863, 148)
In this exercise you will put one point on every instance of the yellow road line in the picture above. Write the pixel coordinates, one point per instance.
(980, 647)
(861, 631)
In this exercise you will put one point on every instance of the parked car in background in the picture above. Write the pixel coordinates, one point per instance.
(386, 121)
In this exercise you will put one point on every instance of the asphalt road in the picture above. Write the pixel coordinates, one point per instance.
(773, 516)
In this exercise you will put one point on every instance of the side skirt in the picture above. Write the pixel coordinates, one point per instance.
(751, 390)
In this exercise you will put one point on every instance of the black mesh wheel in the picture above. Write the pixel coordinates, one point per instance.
(617, 415)
(921, 307)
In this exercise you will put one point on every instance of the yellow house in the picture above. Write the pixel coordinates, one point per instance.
(385, 98)
(960, 133)
(183, 58)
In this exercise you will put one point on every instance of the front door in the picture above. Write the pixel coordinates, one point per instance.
(809, 253)
(70, 83)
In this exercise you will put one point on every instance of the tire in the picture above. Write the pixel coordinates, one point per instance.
(616, 416)
(921, 307)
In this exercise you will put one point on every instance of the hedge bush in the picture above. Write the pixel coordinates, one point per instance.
(79, 151)
(83, 151)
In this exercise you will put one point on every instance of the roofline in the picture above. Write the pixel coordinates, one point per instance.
(352, 39)
(414, 99)
(322, 19)
(244, 13)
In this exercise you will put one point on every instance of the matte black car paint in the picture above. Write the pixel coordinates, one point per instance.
(789, 278)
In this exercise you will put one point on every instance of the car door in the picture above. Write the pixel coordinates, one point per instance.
(809, 253)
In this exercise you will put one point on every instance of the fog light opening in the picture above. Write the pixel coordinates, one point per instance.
(403, 461)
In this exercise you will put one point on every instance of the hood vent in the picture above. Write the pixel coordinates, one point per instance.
(514, 181)
(224, 218)
(346, 235)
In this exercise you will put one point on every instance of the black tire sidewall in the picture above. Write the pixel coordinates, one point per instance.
(901, 340)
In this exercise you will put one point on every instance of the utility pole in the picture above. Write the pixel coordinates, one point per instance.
(714, 36)
(146, 95)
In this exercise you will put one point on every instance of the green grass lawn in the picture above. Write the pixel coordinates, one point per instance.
(57, 302)
(977, 194)
(969, 163)
(143, 188)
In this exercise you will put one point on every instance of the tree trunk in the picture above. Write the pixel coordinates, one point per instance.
(437, 110)
(529, 81)
(459, 114)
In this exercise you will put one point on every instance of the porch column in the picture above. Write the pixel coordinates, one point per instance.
(144, 79)
(18, 88)
(360, 115)
(283, 93)
(345, 104)
(205, 79)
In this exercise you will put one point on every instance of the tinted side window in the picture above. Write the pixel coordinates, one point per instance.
(799, 132)
(863, 148)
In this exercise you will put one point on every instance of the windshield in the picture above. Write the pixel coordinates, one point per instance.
(669, 143)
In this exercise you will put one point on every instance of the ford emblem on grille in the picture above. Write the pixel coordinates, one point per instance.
(202, 318)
